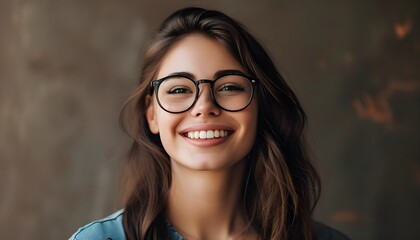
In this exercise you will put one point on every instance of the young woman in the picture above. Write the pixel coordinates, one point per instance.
(218, 150)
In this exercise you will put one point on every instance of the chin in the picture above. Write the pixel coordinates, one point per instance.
(206, 164)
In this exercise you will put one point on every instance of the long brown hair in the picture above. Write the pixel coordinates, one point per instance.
(281, 204)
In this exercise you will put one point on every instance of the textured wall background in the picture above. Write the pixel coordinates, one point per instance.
(66, 68)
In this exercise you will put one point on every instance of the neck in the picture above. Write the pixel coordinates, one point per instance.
(207, 204)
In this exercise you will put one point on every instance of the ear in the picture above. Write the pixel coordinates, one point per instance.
(150, 116)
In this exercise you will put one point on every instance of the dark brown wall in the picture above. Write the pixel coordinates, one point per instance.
(66, 67)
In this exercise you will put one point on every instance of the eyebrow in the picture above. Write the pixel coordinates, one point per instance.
(218, 74)
(227, 72)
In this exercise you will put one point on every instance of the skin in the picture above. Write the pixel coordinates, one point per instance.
(205, 195)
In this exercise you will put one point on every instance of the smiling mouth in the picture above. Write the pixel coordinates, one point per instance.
(207, 134)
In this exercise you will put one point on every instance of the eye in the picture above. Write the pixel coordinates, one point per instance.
(179, 90)
(230, 87)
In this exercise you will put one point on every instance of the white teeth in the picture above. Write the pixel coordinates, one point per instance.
(207, 134)
(203, 134)
(216, 133)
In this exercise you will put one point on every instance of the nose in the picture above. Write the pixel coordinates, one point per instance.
(204, 106)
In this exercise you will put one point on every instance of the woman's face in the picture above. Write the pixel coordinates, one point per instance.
(233, 132)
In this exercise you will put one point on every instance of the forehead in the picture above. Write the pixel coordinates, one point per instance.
(199, 55)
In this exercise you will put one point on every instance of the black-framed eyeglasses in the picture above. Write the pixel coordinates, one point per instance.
(178, 93)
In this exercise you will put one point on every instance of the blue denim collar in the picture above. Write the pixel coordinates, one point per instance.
(173, 233)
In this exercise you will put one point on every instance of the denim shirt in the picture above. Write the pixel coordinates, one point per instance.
(111, 228)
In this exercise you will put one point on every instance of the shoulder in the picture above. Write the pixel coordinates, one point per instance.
(324, 232)
(109, 228)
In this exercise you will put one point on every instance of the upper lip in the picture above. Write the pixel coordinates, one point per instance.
(205, 127)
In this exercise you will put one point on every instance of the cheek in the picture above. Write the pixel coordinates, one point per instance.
(251, 117)
(168, 124)
(253, 132)
(249, 121)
